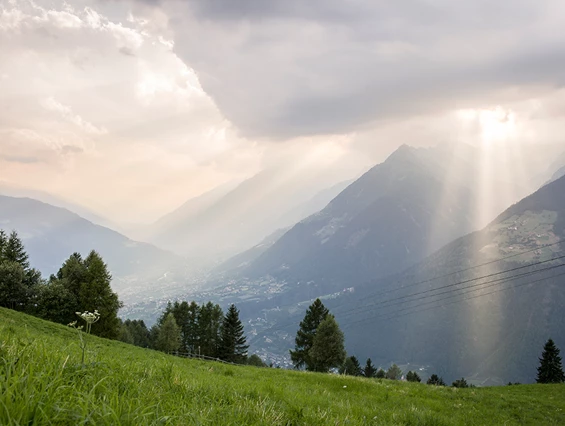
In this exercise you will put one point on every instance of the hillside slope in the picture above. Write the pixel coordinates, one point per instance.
(44, 382)
(392, 217)
(492, 327)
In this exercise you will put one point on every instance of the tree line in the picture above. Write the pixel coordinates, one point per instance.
(198, 330)
(79, 285)
(319, 347)
(84, 284)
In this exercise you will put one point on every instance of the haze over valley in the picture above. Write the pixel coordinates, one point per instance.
(404, 163)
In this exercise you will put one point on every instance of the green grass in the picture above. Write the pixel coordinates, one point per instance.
(42, 381)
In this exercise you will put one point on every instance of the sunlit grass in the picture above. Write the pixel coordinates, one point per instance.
(43, 381)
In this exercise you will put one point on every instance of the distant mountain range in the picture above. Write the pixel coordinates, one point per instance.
(51, 234)
(498, 332)
(226, 221)
(11, 190)
(392, 217)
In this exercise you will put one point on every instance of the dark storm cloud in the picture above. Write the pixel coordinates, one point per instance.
(279, 69)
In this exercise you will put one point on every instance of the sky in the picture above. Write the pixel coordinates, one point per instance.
(132, 107)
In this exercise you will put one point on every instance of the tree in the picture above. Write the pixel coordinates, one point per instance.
(394, 372)
(304, 340)
(381, 374)
(233, 347)
(13, 292)
(435, 380)
(460, 383)
(125, 334)
(351, 367)
(18, 282)
(96, 293)
(56, 303)
(3, 242)
(369, 371)
(327, 350)
(256, 361)
(550, 369)
(168, 337)
(139, 332)
(412, 376)
(14, 251)
(209, 325)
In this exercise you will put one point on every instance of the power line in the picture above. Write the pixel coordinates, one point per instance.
(481, 286)
(400, 299)
(477, 296)
(459, 271)
(504, 279)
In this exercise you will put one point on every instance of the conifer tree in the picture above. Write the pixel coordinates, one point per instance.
(351, 367)
(18, 282)
(3, 242)
(304, 341)
(209, 325)
(460, 383)
(412, 376)
(96, 293)
(369, 371)
(233, 347)
(13, 292)
(435, 380)
(168, 336)
(14, 251)
(328, 349)
(191, 336)
(394, 372)
(381, 374)
(550, 369)
(56, 303)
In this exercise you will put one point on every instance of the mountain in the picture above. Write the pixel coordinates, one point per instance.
(392, 217)
(558, 174)
(11, 190)
(51, 234)
(222, 226)
(188, 211)
(440, 312)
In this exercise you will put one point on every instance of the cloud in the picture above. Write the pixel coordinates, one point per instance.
(18, 159)
(281, 69)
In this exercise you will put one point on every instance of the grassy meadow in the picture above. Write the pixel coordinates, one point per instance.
(43, 382)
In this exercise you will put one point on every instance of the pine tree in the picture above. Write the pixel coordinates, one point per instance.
(209, 326)
(3, 243)
(256, 361)
(73, 275)
(550, 369)
(233, 347)
(13, 292)
(394, 372)
(56, 303)
(18, 283)
(139, 332)
(168, 336)
(14, 251)
(304, 341)
(369, 371)
(96, 293)
(460, 383)
(351, 367)
(328, 349)
(381, 374)
(435, 380)
(191, 336)
(412, 376)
